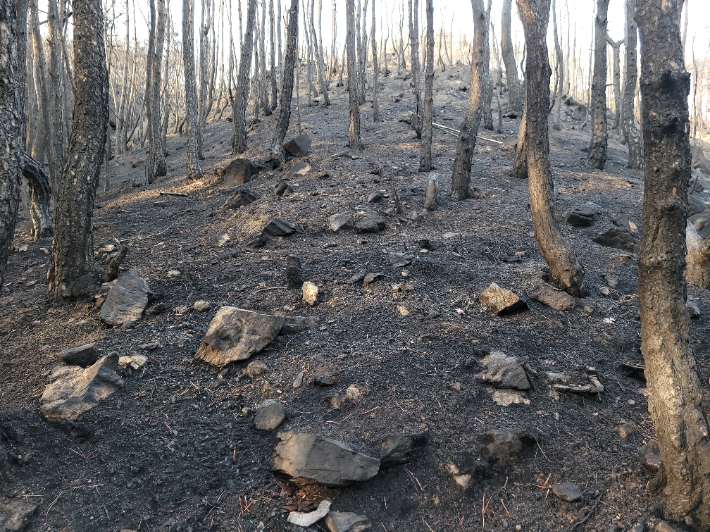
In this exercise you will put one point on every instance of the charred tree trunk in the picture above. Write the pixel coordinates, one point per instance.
(520, 163)
(616, 78)
(508, 52)
(354, 126)
(425, 146)
(560, 69)
(674, 389)
(375, 68)
(487, 114)
(278, 155)
(40, 198)
(596, 158)
(239, 103)
(414, 50)
(461, 176)
(630, 134)
(71, 272)
(188, 56)
(205, 23)
(320, 62)
(156, 159)
(274, 83)
(565, 271)
(698, 258)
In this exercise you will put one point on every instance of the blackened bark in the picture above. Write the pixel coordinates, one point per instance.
(278, 155)
(461, 176)
(508, 52)
(565, 271)
(425, 146)
(674, 389)
(354, 125)
(40, 198)
(71, 271)
(559, 58)
(188, 56)
(156, 159)
(596, 158)
(11, 118)
(414, 50)
(239, 103)
(486, 113)
(630, 133)
(520, 163)
(274, 84)
(375, 70)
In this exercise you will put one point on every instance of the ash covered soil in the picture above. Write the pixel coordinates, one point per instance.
(176, 449)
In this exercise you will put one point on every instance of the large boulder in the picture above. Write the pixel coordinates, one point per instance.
(236, 334)
(309, 458)
(126, 300)
(237, 172)
(299, 146)
(75, 390)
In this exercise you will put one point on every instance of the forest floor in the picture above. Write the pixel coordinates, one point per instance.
(176, 448)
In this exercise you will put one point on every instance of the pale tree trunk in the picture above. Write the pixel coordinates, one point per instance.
(71, 272)
(205, 22)
(362, 52)
(425, 146)
(487, 115)
(274, 86)
(674, 389)
(560, 69)
(263, 92)
(508, 52)
(45, 132)
(375, 72)
(188, 56)
(520, 163)
(121, 111)
(320, 63)
(354, 126)
(239, 103)
(630, 134)
(616, 78)
(156, 158)
(56, 75)
(461, 176)
(697, 258)
(278, 155)
(565, 271)
(596, 158)
(414, 50)
(334, 35)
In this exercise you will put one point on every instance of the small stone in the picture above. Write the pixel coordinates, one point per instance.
(173, 274)
(201, 306)
(340, 222)
(553, 298)
(693, 310)
(150, 346)
(500, 447)
(278, 227)
(398, 449)
(222, 240)
(567, 491)
(375, 197)
(604, 290)
(258, 242)
(579, 218)
(346, 522)
(402, 310)
(324, 377)
(399, 260)
(503, 371)
(84, 355)
(371, 278)
(501, 301)
(509, 397)
(269, 415)
(23, 248)
(241, 198)
(369, 222)
(132, 362)
(298, 381)
(299, 146)
(256, 369)
(353, 394)
(430, 203)
(463, 480)
(282, 188)
(15, 514)
(664, 526)
(651, 455)
(310, 293)
(301, 168)
(306, 519)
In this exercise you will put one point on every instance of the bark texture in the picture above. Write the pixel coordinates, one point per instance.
(156, 159)
(461, 175)
(354, 126)
(71, 272)
(596, 158)
(188, 56)
(239, 103)
(425, 146)
(698, 258)
(375, 68)
(616, 78)
(565, 271)
(630, 133)
(520, 163)
(674, 390)
(508, 52)
(40, 198)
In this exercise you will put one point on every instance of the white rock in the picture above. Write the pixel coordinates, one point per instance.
(307, 519)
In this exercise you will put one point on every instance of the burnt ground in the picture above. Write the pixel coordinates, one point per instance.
(176, 448)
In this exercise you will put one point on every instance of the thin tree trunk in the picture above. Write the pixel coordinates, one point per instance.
(425, 164)
(596, 158)
(354, 127)
(616, 79)
(565, 271)
(320, 63)
(156, 158)
(205, 22)
(511, 68)
(56, 75)
(188, 56)
(278, 155)
(239, 103)
(121, 111)
(40, 198)
(486, 113)
(44, 99)
(263, 92)
(674, 389)
(71, 272)
(414, 44)
(560, 69)
(461, 176)
(274, 86)
(631, 135)
(375, 70)
(520, 163)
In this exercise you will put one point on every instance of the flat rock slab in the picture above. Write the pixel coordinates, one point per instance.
(126, 300)
(241, 198)
(299, 146)
(83, 355)
(236, 334)
(501, 301)
(238, 172)
(346, 522)
(269, 415)
(15, 514)
(278, 227)
(75, 390)
(617, 238)
(503, 371)
(309, 458)
(553, 298)
(397, 449)
(567, 491)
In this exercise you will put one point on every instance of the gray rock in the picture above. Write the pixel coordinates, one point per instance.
(353, 394)
(237, 172)
(567, 491)
(278, 227)
(340, 222)
(236, 334)
(299, 146)
(500, 447)
(269, 415)
(114, 264)
(692, 309)
(282, 188)
(617, 238)
(375, 197)
(126, 300)
(15, 514)
(309, 458)
(201, 306)
(651, 455)
(369, 222)
(301, 168)
(256, 369)
(294, 272)
(297, 324)
(695, 205)
(241, 198)
(579, 218)
(501, 301)
(372, 278)
(75, 390)
(83, 356)
(430, 203)
(397, 449)
(503, 371)
(346, 522)
(324, 377)
(553, 298)
(399, 260)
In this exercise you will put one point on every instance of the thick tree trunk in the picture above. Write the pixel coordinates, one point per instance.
(188, 56)
(596, 158)
(508, 52)
(11, 120)
(425, 146)
(616, 78)
(565, 271)
(631, 135)
(71, 272)
(414, 50)
(461, 176)
(674, 389)
(278, 155)
(375, 69)
(239, 103)
(40, 198)
(354, 126)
